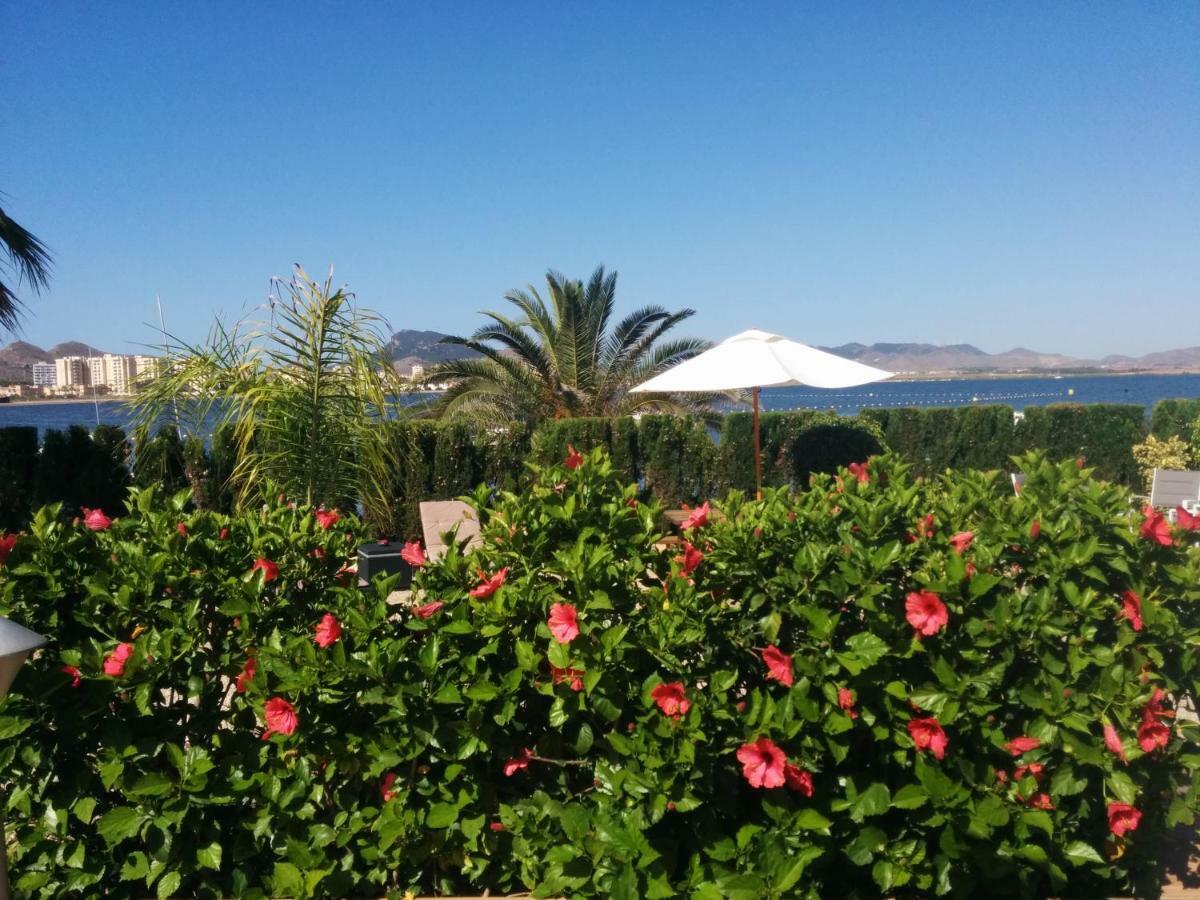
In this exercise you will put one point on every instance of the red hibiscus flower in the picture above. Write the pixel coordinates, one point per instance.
(249, 670)
(95, 519)
(1034, 770)
(497, 826)
(1035, 529)
(574, 676)
(846, 702)
(859, 471)
(762, 763)
(488, 586)
(428, 609)
(1186, 520)
(224, 535)
(1041, 800)
(114, 663)
(280, 716)
(269, 569)
(1113, 741)
(182, 529)
(698, 517)
(690, 559)
(671, 699)
(1131, 609)
(927, 734)
(413, 554)
(74, 673)
(961, 541)
(1019, 745)
(1123, 818)
(518, 762)
(1155, 527)
(926, 528)
(326, 518)
(1153, 734)
(327, 631)
(926, 612)
(385, 790)
(779, 665)
(7, 542)
(563, 623)
(798, 780)
(574, 458)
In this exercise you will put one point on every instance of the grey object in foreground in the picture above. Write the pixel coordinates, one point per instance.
(16, 642)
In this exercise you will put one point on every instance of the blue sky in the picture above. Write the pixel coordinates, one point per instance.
(1000, 174)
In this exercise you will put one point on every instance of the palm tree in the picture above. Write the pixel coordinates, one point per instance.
(559, 360)
(26, 257)
(303, 396)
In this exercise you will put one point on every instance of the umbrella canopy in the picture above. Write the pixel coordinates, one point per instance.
(15, 643)
(757, 359)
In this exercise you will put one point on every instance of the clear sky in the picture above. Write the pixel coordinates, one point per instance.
(999, 174)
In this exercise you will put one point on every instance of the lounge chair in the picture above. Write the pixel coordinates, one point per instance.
(1172, 487)
(440, 517)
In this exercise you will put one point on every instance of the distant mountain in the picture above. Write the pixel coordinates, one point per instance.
(927, 359)
(407, 348)
(74, 348)
(20, 353)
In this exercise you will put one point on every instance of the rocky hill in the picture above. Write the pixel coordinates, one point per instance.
(407, 348)
(955, 358)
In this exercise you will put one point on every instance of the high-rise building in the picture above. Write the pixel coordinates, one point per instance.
(119, 373)
(72, 371)
(44, 374)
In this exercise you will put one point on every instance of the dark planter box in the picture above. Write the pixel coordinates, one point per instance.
(383, 558)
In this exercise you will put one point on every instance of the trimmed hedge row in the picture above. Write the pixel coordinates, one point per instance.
(673, 460)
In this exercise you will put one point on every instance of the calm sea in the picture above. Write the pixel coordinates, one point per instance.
(1144, 390)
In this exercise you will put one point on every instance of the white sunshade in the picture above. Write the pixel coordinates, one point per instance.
(758, 359)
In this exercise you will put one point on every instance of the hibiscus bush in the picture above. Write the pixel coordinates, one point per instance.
(882, 685)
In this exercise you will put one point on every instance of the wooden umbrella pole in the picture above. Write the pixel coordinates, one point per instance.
(757, 452)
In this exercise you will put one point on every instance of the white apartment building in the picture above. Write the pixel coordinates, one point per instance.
(44, 374)
(117, 372)
(72, 371)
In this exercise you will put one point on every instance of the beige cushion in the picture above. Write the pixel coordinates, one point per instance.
(441, 516)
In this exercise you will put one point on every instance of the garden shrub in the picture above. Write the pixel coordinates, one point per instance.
(18, 469)
(1102, 433)
(1151, 454)
(579, 709)
(1174, 418)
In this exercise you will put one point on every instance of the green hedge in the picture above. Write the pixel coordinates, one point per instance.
(675, 460)
(18, 470)
(1174, 418)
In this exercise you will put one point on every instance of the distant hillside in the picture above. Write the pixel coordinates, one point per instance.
(74, 348)
(407, 348)
(20, 353)
(953, 358)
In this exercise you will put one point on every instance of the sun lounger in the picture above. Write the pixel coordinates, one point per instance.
(1171, 488)
(438, 517)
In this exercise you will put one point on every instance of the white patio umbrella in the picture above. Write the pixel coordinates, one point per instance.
(756, 359)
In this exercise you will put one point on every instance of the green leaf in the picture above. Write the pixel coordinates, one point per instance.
(585, 739)
(441, 815)
(910, 796)
(1080, 852)
(168, 884)
(874, 801)
(811, 820)
(119, 823)
(1122, 786)
(210, 856)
